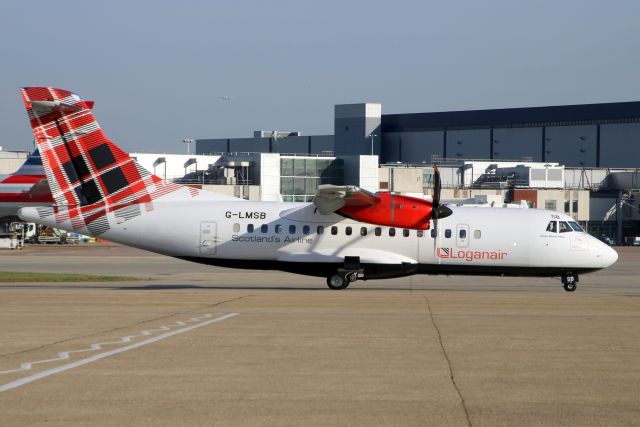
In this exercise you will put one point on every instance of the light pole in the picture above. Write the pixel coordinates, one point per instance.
(372, 136)
(188, 141)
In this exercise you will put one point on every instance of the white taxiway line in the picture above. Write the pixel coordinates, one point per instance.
(81, 362)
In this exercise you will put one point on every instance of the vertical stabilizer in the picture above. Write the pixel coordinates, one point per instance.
(89, 175)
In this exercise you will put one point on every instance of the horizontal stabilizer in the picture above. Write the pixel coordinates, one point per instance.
(45, 107)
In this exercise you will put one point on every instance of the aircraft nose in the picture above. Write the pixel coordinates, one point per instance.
(604, 253)
(610, 256)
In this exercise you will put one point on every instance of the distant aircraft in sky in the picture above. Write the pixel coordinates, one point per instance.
(346, 234)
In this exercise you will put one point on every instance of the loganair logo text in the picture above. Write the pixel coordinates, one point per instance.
(451, 253)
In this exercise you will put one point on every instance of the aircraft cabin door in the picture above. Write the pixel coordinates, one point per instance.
(462, 235)
(208, 238)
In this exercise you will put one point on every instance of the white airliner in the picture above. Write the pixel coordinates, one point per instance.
(347, 234)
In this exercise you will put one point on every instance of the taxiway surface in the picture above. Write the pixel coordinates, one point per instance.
(188, 344)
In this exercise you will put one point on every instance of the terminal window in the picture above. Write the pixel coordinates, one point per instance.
(550, 205)
(301, 176)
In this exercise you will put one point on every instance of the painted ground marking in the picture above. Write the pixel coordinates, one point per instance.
(93, 347)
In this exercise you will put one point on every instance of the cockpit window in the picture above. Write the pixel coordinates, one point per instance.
(552, 227)
(564, 227)
(575, 226)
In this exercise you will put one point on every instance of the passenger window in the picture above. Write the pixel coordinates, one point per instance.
(564, 227)
(249, 228)
(348, 231)
(477, 234)
(420, 233)
(236, 227)
(552, 227)
(434, 233)
(305, 229)
(278, 228)
(292, 229)
(363, 231)
(463, 234)
(378, 231)
(320, 229)
(447, 233)
(264, 228)
(392, 232)
(575, 226)
(405, 232)
(334, 230)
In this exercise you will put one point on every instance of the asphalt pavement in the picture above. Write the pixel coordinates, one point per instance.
(188, 344)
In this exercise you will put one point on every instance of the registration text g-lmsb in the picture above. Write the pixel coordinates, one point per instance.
(246, 215)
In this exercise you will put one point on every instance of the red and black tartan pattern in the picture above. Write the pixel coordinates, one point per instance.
(89, 176)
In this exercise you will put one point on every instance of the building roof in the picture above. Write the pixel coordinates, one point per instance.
(513, 117)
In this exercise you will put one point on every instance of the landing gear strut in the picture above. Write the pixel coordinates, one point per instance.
(570, 281)
(346, 275)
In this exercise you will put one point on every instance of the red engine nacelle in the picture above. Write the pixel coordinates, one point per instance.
(393, 211)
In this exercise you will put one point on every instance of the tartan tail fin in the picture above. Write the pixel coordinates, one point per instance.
(83, 167)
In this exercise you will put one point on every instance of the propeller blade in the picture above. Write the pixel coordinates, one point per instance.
(437, 186)
(435, 207)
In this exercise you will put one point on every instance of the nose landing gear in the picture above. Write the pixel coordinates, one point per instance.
(570, 281)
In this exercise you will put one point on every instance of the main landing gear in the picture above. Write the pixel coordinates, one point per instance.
(344, 276)
(570, 281)
(341, 280)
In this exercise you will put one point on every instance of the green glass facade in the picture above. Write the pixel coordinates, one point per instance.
(301, 176)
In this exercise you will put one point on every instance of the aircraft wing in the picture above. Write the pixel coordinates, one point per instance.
(330, 198)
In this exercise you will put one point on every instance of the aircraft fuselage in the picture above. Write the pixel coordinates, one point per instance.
(295, 237)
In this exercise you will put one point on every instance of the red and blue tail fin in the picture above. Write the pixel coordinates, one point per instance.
(25, 187)
(32, 167)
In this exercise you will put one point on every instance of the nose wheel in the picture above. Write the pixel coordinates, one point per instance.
(570, 282)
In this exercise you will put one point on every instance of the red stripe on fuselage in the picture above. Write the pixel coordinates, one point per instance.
(25, 198)
(23, 179)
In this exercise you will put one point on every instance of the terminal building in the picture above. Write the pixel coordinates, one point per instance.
(592, 135)
(583, 160)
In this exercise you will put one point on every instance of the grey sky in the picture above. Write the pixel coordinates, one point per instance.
(157, 70)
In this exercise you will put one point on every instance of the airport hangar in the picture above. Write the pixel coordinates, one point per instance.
(583, 160)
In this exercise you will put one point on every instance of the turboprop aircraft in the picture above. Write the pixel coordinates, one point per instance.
(346, 234)
(25, 187)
